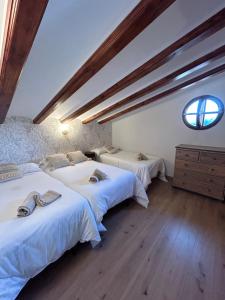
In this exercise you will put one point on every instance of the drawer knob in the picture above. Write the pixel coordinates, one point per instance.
(187, 155)
(212, 169)
(186, 165)
(211, 180)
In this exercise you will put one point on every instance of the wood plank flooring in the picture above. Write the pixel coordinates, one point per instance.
(173, 250)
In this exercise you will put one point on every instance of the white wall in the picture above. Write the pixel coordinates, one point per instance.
(22, 141)
(158, 128)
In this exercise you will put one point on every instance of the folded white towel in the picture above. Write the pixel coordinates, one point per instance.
(47, 198)
(97, 176)
(28, 205)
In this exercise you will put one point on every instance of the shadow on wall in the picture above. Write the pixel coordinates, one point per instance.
(22, 141)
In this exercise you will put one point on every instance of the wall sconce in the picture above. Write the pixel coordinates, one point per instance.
(64, 128)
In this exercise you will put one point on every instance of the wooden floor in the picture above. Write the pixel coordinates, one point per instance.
(175, 249)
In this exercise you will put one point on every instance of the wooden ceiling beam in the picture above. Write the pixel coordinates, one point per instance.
(198, 34)
(166, 93)
(22, 22)
(206, 59)
(138, 19)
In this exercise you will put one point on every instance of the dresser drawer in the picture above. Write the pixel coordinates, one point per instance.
(205, 189)
(192, 177)
(212, 158)
(189, 155)
(200, 167)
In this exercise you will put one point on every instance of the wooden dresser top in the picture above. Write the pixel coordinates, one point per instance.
(202, 148)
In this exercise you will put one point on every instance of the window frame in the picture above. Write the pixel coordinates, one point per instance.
(199, 113)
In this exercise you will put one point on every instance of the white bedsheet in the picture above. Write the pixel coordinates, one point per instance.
(29, 244)
(105, 194)
(145, 170)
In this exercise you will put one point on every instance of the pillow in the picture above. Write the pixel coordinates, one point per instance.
(4, 168)
(99, 151)
(29, 168)
(10, 175)
(77, 157)
(114, 150)
(111, 149)
(141, 156)
(56, 161)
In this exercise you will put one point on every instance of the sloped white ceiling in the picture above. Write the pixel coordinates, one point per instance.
(72, 30)
(69, 33)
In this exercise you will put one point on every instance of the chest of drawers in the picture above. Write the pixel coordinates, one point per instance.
(200, 169)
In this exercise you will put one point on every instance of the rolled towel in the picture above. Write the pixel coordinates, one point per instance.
(47, 198)
(28, 205)
(97, 176)
(142, 156)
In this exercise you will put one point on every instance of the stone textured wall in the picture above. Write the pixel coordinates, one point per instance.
(21, 141)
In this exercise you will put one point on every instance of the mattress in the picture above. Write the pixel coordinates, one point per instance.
(29, 244)
(145, 170)
(102, 196)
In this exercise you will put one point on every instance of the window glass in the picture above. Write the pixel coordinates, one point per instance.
(193, 108)
(191, 119)
(211, 106)
(209, 119)
(203, 112)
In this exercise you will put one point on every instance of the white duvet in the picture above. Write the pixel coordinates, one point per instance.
(145, 170)
(105, 194)
(29, 244)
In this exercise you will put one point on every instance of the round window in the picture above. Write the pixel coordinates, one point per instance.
(203, 112)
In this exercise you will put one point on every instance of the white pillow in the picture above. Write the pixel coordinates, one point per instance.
(55, 161)
(4, 168)
(29, 168)
(99, 151)
(77, 157)
(111, 149)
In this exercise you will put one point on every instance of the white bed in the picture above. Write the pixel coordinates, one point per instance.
(145, 170)
(105, 194)
(29, 244)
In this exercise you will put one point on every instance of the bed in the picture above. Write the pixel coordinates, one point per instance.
(105, 194)
(29, 244)
(145, 170)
